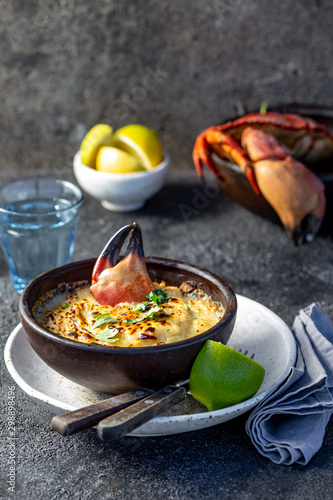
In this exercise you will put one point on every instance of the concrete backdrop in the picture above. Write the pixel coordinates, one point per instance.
(177, 66)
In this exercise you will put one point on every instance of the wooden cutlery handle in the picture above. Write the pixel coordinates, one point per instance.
(125, 421)
(83, 418)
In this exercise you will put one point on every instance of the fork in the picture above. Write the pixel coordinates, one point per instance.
(246, 353)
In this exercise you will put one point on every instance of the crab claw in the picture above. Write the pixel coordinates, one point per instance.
(226, 147)
(294, 191)
(201, 155)
(116, 280)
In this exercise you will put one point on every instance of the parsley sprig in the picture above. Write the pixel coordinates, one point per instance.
(155, 297)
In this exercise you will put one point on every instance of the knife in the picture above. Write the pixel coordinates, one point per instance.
(128, 419)
(88, 416)
(121, 414)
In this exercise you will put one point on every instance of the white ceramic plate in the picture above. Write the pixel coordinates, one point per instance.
(257, 330)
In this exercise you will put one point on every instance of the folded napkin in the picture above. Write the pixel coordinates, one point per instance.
(289, 425)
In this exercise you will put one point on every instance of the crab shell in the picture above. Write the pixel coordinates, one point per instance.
(287, 143)
(308, 140)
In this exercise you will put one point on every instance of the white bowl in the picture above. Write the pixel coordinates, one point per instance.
(121, 192)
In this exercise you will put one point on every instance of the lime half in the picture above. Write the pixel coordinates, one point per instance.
(222, 377)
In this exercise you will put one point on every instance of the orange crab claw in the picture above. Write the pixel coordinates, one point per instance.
(201, 155)
(116, 280)
(294, 191)
(226, 147)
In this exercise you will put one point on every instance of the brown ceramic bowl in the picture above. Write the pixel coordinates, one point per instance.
(235, 184)
(119, 369)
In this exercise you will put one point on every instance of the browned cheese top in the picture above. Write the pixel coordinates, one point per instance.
(76, 315)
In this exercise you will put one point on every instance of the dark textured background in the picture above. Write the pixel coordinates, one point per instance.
(177, 67)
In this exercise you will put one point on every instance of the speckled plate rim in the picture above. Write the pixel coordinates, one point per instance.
(257, 329)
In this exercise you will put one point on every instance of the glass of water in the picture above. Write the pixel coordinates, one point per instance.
(38, 220)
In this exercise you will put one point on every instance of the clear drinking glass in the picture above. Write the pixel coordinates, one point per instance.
(38, 220)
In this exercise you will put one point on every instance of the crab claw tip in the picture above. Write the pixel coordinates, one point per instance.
(126, 279)
(306, 231)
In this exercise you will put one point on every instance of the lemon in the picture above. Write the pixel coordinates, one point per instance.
(98, 136)
(222, 377)
(115, 161)
(141, 142)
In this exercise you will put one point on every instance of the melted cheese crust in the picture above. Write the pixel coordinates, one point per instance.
(72, 315)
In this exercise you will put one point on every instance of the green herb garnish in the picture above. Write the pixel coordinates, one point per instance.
(151, 312)
(263, 108)
(102, 319)
(65, 305)
(106, 335)
(151, 306)
(155, 297)
(140, 307)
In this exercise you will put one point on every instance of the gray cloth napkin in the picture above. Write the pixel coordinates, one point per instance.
(289, 425)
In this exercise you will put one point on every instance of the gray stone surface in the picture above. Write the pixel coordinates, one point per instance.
(177, 67)
(259, 261)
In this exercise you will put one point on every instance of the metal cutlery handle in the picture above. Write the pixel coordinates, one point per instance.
(83, 418)
(125, 421)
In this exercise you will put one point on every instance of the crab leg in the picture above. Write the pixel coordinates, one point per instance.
(294, 191)
(116, 280)
(226, 147)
